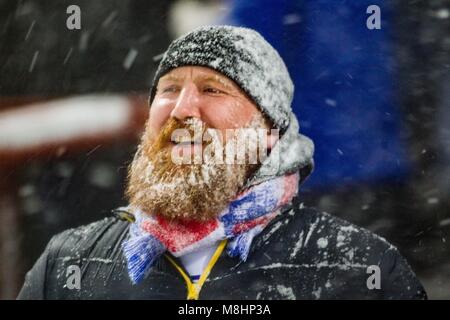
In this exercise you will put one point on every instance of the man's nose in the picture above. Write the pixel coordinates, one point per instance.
(187, 104)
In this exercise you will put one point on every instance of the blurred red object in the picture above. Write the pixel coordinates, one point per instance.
(68, 125)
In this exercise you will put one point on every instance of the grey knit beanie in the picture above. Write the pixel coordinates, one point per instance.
(245, 57)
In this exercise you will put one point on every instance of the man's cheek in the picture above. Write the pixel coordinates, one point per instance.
(151, 131)
(159, 114)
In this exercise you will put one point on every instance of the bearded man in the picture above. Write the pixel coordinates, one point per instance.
(210, 228)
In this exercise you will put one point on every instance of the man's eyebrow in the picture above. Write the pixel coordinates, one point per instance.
(213, 78)
(172, 77)
(225, 82)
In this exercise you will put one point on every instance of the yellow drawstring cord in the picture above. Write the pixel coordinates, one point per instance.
(194, 288)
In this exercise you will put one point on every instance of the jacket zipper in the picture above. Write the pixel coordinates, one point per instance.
(193, 289)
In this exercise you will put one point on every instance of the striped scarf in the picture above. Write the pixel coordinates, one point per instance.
(244, 218)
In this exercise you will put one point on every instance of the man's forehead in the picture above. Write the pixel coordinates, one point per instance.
(197, 73)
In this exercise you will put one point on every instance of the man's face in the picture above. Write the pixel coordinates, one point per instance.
(202, 93)
(186, 98)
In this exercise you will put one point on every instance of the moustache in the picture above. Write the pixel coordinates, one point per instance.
(175, 131)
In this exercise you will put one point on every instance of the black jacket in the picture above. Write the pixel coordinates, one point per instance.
(302, 254)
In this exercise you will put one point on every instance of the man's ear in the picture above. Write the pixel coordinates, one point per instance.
(273, 135)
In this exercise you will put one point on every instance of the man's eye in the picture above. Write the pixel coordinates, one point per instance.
(212, 90)
(169, 89)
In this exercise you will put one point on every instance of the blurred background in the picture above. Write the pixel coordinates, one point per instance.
(376, 102)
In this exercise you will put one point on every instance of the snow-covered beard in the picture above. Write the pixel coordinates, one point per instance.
(182, 191)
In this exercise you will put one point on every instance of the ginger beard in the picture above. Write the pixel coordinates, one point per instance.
(159, 186)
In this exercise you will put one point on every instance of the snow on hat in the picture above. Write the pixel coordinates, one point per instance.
(244, 56)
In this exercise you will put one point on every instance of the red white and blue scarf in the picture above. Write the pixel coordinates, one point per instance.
(244, 218)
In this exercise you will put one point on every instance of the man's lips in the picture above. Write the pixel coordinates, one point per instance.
(186, 142)
(186, 148)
